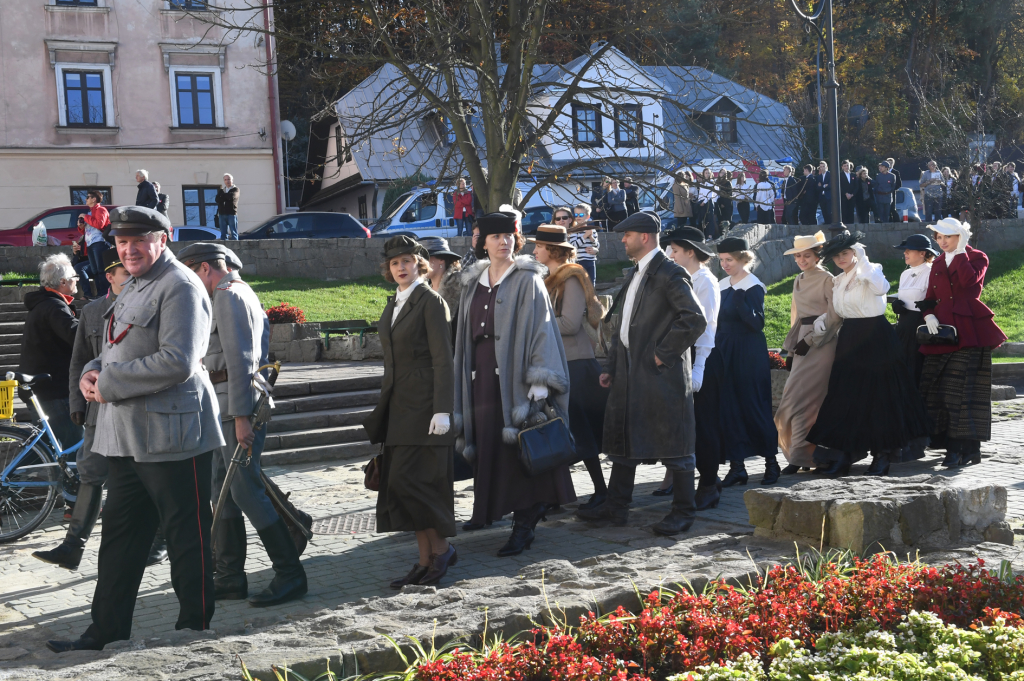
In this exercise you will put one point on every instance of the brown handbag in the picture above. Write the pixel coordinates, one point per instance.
(371, 471)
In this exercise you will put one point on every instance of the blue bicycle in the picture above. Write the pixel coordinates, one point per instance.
(34, 468)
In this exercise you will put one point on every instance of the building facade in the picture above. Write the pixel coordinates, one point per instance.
(97, 89)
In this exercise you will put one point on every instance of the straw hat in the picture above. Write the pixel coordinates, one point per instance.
(551, 235)
(806, 243)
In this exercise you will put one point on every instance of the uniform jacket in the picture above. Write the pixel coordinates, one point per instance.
(809, 193)
(227, 201)
(88, 346)
(957, 291)
(418, 372)
(146, 195)
(239, 343)
(656, 402)
(160, 404)
(527, 347)
(884, 183)
(47, 341)
(793, 188)
(825, 185)
(846, 185)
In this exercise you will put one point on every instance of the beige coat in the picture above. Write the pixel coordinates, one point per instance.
(808, 378)
(572, 296)
(681, 207)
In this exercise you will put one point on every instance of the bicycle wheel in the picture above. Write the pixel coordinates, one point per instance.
(29, 492)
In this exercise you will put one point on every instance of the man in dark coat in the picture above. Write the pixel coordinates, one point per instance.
(649, 415)
(792, 188)
(147, 192)
(632, 196)
(809, 197)
(846, 192)
(824, 179)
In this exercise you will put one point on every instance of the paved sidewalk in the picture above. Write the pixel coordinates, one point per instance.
(40, 601)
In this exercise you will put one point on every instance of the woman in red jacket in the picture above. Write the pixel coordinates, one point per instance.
(957, 378)
(463, 208)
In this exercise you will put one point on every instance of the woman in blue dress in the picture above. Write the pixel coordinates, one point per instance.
(737, 376)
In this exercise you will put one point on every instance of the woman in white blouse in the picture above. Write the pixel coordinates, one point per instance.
(872, 403)
(764, 197)
(918, 253)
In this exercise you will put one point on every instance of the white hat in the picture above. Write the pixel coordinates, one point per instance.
(806, 243)
(952, 227)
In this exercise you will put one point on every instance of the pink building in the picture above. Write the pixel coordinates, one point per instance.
(96, 89)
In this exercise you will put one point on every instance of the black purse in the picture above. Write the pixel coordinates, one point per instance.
(945, 336)
(547, 445)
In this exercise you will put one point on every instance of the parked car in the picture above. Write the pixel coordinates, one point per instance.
(906, 204)
(59, 222)
(311, 225)
(429, 211)
(194, 233)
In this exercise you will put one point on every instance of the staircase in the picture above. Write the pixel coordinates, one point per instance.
(320, 421)
(12, 324)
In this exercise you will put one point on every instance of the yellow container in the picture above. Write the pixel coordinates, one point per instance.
(7, 399)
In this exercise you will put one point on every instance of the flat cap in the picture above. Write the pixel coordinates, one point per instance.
(403, 245)
(137, 221)
(200, 252)
(648, 223)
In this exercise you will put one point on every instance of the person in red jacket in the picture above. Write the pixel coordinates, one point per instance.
(957, 378)
(91, 225)
(463, 200)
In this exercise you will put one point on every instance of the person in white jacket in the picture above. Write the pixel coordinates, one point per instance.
(764, 199)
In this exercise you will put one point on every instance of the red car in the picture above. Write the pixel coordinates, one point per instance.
(59, 222)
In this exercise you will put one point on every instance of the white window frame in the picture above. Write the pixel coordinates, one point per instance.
(108, 91)
(99, 4)
(218, 97)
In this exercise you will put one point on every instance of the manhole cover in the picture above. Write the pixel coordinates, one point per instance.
(350, 523)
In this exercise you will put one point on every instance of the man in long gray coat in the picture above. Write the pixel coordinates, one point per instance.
(239, 344)
(158, 426)
(649, 415)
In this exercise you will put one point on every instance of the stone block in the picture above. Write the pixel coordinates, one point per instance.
(861, 526)
(999, 533)
(352, 348)
(1003, 392)
(803, 516)
(779, 378)
(762, 507)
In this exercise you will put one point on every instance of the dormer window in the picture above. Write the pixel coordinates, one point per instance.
(629, 125)
(443, 129)
(719, 121)
(586, 125)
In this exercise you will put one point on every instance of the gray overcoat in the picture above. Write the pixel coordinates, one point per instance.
(160, 404)
(92, 468)
(649, 414)
(527, 347)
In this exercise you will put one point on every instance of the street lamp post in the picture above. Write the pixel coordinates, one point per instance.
(820, 21)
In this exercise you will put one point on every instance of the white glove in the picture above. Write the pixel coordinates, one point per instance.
(439, 424)
(538, 392)
(859, 250)
(819, 323)
(932, 322)
(961, 246)
(698, 376)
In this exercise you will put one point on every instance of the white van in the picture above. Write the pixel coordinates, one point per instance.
(428, 211)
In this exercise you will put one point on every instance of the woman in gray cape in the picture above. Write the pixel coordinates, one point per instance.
(508, 359)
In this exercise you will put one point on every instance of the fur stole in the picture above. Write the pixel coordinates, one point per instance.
(555, 283)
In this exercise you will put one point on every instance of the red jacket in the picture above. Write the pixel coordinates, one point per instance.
(463, 204)
(98, 218)
(957, 291)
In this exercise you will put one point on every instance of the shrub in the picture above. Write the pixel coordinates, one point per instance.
(286, 314)
(776, 361)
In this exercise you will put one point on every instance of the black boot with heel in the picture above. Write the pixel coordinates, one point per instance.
(620, 494)
(68, 554)
(289, 580)
(684, 508)
(230, 582)
(523, 524)
(737, 475)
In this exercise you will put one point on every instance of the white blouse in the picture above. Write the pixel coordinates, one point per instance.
(914, 285)
(401, 297)
(765, 198)
(705, 288)
(860, 293)
(705, 194)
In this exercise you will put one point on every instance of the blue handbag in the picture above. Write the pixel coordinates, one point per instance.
(547, 445)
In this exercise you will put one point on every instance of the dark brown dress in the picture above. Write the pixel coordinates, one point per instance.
(500, 485)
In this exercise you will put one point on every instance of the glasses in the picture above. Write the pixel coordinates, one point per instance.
(581, 215)
(74, 278)
(564, 217)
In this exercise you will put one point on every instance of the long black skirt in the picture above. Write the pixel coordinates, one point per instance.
(906, 331)
(872, 404)
(587, 400)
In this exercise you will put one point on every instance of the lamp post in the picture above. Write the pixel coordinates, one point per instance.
(820, 21)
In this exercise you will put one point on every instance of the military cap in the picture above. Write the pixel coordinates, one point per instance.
(200, 252)
(644, 222)
(403, 245)
(111, 259)
(137, 221)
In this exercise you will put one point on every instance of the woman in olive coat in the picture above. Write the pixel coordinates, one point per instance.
(412, 417)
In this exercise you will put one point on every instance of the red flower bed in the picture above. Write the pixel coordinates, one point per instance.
(677, 632)
(285, 313)
(776, 361)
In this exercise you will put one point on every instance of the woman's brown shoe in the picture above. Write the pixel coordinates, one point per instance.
(414, 576)
(439, 566)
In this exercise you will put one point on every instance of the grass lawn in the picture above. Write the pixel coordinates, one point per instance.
(323, 301)
(609, 271)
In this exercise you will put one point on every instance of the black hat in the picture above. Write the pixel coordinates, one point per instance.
(437, 247)
(197, 253)
(137, 221)
(643, 222)
(919, 242)
(403, 245)
(500, 222)
(732, 244)
(111, 259)
(839, 243)
(690, 237)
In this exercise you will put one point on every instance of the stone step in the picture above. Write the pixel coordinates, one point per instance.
(338, 385)
(356, 398)
(338, 452)
(12, 307)
(1009, 372)
(12, 328)
(10, 339)
(13, 316)
(315, 437)
(9, 360)
(10, 348)
(327, 418)
(5, 368)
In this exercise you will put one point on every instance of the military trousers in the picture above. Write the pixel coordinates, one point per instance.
(248, 494)
(92, 467)
(173, 495)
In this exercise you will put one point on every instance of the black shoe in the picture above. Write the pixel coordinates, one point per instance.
(289, 580)
(659, 492)
(708, 496)
(158, 551)
(790, 470)
(838, 469)
(973, 458)
(737, 476)
(87, 508)
(771, 471)
(879, 465)
(414, 576)
(952, 459)
(683, 512)
(439, 565)
(230, 582)
(473, 527)
(595, 500)
(620, 494)
(83, 643)
(522, 535)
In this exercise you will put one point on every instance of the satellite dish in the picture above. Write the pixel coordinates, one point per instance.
(287, 130)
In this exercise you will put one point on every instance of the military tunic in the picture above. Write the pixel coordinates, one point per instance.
(92, 467)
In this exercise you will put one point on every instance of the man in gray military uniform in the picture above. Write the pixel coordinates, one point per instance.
(239, 342)
(158, 427)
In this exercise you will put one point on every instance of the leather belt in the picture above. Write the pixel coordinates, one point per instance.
(808, 320)
(218, 376)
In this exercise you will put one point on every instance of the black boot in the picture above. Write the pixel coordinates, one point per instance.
(289, 580)
(737, 475)
(522, 535)
(684, 508)
(790, 470)
(87, 508)
(230, 583)
(620, 494)
(708, 496)
(953, 451)
(879, 464)
(84, 643)
(970, 453)
(158, 551)
(772, 471)
(840, 467)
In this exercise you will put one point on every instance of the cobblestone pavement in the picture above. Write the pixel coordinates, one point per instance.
(40, 601)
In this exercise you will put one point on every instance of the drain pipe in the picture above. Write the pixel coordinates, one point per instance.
(275, 113)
